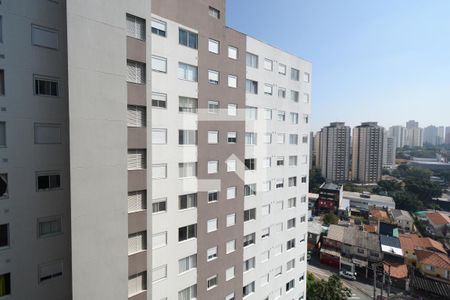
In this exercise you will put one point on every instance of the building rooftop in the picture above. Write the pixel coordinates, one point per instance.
(315, 227)
(390, 245)
(436, 259)
(330, 186)
(387, 229)
(379, 214)
(399, 214)
(410, 242)
(368, 197)
(431, 286)
(438, 218)
(362, 239)
(370, 228)
(396, 271)
(336, 233)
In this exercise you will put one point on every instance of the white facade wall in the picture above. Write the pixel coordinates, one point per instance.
(171, 154)
(260, 175)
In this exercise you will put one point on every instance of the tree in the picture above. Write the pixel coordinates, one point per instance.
(315, 180)
(331, 289)
(424, 189)
(330, 218)
(406, 201)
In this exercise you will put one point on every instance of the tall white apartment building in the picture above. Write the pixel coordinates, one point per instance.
(148, 151)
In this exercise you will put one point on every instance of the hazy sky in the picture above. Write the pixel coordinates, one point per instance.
(373, 60)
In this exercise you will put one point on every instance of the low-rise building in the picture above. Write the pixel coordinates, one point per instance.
(403, 219)
(330, 195)
(330, 252)
(378, 214)
(363, 201)
(432, 264)
(314, 233)
(440, 222)
(412, 242)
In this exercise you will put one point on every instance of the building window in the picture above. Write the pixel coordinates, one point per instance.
(136, 72)
(268, 64)
(303, 219)
(290, 244)
(213, 107)
(47, 133)
(277, 250)
(159, 100)
(211, 282)
(159, 240)
(295, 96)
(4, 186)
(44, 37)
(213, 196)
(291, 223)
(213, 46)
(189, 293)
(232, 52)
(251, 86)
(212, 225)
(250, 189)
(213, 77)
(293, 160)
(279, 183)
(231, 219)
(232, 81)
(4, 236)
(137, 284)
(49, 227)
(265, 210)
(249, 239)
(229, 273)
(187, 72)
(265, 256)
(305, 97)
(231, 165)
(159, 64)
(137, 201)
(280, 161)
(232, 109)
(268, 89)
(187, 169)
(187, 263)
(46, 86)
(249, 214)
(187, 137)
(159, 205)
(304, 179)
(214, 12)
(230, 247)
(266, 186)
(231, 192)
(281, 69)
(281, 116)
(295, 74)
(232, 137)
(2, 82)
(250, 164)
(159, 27)
(292, 181)
(294, 118)
(187, 232)
(187, 104)
(159, 171)
(306, 77)
(278, 271)
(290, 285)
(187, 201)
(230, 297)
(267, 114)
(187, 38)
(249, 264)
(136, 116)
(5, 284)
(248, 289)
(211, 254)
(267, 138)
(48, 181)
(251, 113)
(213, 166)
(265, 279)
(159, 136)
(306, 119)
(293, 139)
(282, 93)
(213, 137)
(265, 232)
(49, 271)
(137, 242)
(250, 138)
(292, 202)
(252, 60)
(159, 273)
(135, 27)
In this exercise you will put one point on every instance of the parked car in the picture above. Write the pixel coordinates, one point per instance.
(348, 275)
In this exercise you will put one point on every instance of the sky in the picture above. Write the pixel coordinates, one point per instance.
(373, 60)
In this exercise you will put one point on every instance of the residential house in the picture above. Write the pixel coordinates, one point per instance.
(403, 219)
(412, 242)
(440, 223)
(330, 252)
(434, 264)
(314, 232)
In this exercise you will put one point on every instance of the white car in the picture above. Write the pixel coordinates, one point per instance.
(348, 275)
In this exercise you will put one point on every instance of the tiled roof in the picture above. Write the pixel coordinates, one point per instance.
(379, 214)
(431, 286)
(413, 241)
(336, 233)
(396, 271)
(436, 259)
(438, 218)
(370, 228)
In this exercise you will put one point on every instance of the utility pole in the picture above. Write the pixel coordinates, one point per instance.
(374, 266)
(382, 285)
(389, 282)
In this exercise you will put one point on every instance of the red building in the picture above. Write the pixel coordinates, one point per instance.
(330, 196)
(330, 253)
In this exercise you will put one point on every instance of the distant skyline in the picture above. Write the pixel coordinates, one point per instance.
(383, 61)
